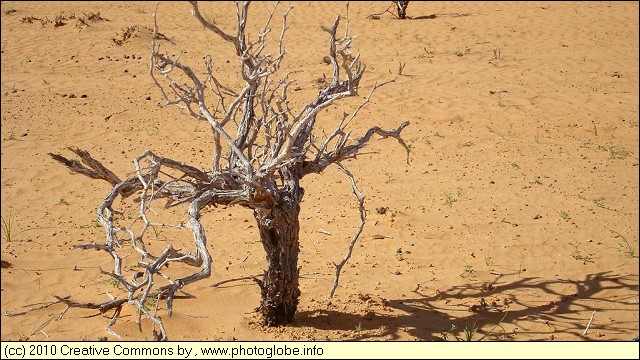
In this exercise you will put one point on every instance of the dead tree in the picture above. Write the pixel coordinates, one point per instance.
(261, 148)
(401, 9)
(401, 6)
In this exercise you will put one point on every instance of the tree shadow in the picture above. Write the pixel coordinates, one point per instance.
(430, 318)
(424, 17)
(434, 16)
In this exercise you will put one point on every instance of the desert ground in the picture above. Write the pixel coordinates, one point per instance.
(515, 219)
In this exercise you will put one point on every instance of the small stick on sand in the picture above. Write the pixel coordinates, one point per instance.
(112, 114)
(589, 324)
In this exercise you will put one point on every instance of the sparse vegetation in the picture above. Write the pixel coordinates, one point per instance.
(451, 198)
(389, 176)
(619, 152)
(113, 282)
(577, 255)
(124, 35)
(12, 136)
(488, 260)
(468, 272)
(132, 31)
(525, 138)
(7, 228)
(472, 329)
(625, 248)
(615, 151)
(29, 19)
(599, 203)
(61, 18)
(358, 327)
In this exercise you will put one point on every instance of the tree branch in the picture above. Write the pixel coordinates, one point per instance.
(363, 217)
(343, 151)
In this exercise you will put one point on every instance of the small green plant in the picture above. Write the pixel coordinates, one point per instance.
(410, 146)
(390, 177)
(12, 136)
(565, 215)
(450, 198)
(515, 166)
(62, 201)
(577, 255)
(94, 223)
(625, 247)
(358, 327)
(468, 272)
(7, 229)
(471, 330)
(113, 282)
(9, 232)
(157, 232)
(598, 202)
(151, 302)
(615, 151)
(619, 152)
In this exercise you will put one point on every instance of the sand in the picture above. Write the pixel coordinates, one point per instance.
(519, 206)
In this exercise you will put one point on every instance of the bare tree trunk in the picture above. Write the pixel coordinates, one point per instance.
(402, 9)
(279, 232)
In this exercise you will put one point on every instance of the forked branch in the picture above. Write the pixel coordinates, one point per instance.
(363, 217)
